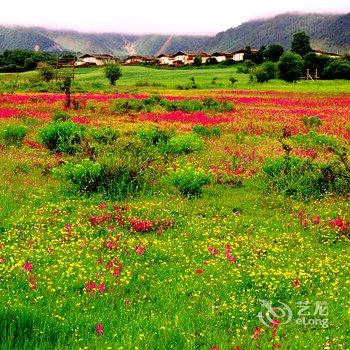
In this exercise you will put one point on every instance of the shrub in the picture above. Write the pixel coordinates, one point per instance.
(86, 176)
(112, 72)
(154, 136)
(190, 181)
(47, 73)
(290, 67)
(312, 122)
(295, 176)
(261, 75)
(207, 131)
(60, 116)
(13, 134)
(62, 136)
(185, 144)
(338, 69)
(127, 106)
(209, 104)
(233, 80)
(105, 135)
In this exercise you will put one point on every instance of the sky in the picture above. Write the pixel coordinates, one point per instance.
(155, 16)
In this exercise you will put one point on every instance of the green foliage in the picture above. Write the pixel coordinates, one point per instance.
(265, 72)
(312, 123)
(314, 140)
(313, 62)
(13, 134)
(126, 106)
(338, 69)
(190, 181)
(62, 136)
(112, 72)
(290, 67)
(187, 143)
(232, 80)
(60, 116)
(105, 135)
(301, 43)
(197, 61)
(295, 177)
(86, 175)
(153, 136)
(207, 131)
(274, 52)
(47, 73)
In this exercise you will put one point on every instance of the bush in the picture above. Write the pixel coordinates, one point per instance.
(127, 106)
(13, 134)
(233, 80)
(185, 144)
(290, 67)
(47, 73)
(338, 69)
(105, 135)
(154, 136)
(60, 116)
(62, 136)
(295, 176)
(86, 176)
(190, 181)
(207, 131)
(112, 72)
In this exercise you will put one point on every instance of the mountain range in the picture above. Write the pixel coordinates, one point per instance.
(328, 32)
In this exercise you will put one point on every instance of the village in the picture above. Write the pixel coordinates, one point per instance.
(179, 58)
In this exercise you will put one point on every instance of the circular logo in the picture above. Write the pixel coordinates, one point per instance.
(271, 315)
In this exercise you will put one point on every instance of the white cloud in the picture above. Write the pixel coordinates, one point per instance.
(154, 16)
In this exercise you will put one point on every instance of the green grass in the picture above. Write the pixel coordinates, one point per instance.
(92, 79)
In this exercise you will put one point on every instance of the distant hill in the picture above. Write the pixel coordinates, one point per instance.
(328, 32)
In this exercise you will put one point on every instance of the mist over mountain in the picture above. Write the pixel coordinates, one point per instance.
(328, 32)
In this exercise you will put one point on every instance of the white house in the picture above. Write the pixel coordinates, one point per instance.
(97, 59)
(238, 55)
(220, 56)
(164, 59)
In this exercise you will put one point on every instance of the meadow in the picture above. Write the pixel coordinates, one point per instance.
(148, 216)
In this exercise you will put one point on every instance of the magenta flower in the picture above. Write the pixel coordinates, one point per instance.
(28, 266)
(99, 329)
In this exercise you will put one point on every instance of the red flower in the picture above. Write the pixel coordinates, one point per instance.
(229, 256)
(91, 287)
(50, 250)
(199, 271)
(2, 259)
(296, 283)
(140, 250)
(101, 288)
(99, 329)
(256, 332)
(214, 348)
(28, 266)
(213, 250)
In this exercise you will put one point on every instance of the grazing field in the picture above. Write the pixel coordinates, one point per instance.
(197, 219)
(157, 79)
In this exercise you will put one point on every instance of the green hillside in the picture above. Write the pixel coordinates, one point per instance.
(328, 32)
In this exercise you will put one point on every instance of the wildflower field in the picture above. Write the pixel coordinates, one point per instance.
(200, 219)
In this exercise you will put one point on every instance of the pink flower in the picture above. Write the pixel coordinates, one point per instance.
(256, 332)
(101, 288)
(296, 283)
(140, 250)
(28, 266)
(229, 256)
(214, 348)
(213, 250)
(99, 329)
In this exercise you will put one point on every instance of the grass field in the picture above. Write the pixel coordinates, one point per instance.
(153, 79)
(219, 223)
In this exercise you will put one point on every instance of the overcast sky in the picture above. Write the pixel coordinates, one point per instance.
(154, 16)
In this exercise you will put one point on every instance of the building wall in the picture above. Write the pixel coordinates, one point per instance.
(238, 56)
